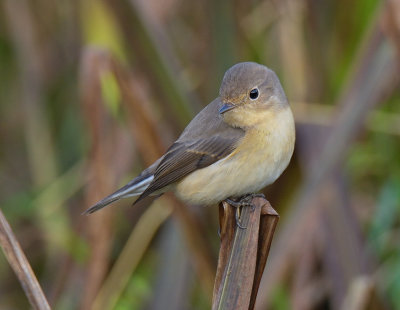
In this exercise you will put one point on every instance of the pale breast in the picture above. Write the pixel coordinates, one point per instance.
(258, 161)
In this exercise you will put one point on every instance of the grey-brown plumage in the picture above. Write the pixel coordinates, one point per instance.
(237, 144)
(197, 147)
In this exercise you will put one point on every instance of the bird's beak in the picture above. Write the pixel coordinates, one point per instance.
(226, 107)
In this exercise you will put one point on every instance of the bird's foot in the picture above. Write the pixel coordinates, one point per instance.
(244, 201)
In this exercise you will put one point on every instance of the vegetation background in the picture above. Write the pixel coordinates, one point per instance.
(93, 91)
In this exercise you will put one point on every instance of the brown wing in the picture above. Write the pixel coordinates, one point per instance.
(184, 157)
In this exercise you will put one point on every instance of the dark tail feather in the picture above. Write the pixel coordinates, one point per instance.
(134, 188)
(101, 204)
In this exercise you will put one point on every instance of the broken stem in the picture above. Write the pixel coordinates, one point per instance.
(243, 254)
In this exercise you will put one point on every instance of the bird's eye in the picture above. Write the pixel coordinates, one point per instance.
(254, 94)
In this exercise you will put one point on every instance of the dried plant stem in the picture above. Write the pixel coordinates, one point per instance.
(131, 255)
(16, 258)
(243, 254)
(268, 222)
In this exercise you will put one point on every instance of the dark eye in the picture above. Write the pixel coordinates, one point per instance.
(254, 94)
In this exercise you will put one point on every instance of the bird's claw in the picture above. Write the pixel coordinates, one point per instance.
(237, 218)
(237, 205)
(244, 201)
(248, 198)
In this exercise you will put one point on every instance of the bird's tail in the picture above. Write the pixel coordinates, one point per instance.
(134, 188)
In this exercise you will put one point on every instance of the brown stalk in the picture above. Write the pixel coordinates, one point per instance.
(132, 253)
(17, 259)
(243, 254)
(196, 243)
(33, 55)
(100, 169)
(144, 42)
(362, 295)
(144, 127)
(303, 294)
(344, 255)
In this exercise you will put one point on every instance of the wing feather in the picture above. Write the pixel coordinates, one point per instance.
(184, 157)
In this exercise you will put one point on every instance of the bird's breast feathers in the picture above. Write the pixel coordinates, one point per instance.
(258, 160)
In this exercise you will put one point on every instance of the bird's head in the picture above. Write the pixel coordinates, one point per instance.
(249, 93)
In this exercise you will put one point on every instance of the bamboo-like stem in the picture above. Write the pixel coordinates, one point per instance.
(18, 262)
(269, 220)
(243, 254)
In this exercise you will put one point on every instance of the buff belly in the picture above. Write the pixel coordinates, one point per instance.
(242, 172)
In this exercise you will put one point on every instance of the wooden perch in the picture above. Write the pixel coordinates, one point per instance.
(243, 254)
(21, 267)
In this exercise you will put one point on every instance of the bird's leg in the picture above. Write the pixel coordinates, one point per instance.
(249, 197)
(254, 195)
(237, 218)
(244, 201)
(237, 205)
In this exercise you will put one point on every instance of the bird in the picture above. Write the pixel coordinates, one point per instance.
(239, 143)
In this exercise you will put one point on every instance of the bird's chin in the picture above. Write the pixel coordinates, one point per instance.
(236, 118)
(229, 117)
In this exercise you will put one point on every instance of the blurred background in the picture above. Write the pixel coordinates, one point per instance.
(93, 91)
